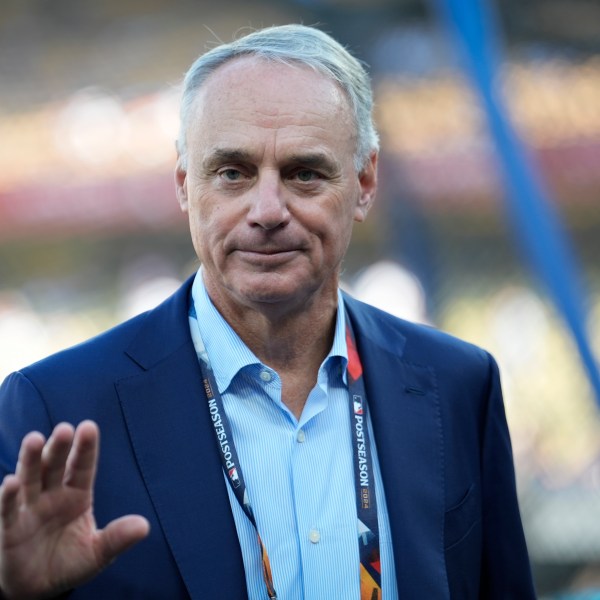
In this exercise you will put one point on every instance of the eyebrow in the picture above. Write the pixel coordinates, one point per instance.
(315, 160)
(226, 155)
(310, 160)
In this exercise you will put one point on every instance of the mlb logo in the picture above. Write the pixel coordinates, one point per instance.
(358, 408)
(233, 475)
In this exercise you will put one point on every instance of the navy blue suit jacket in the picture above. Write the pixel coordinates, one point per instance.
(439, 426)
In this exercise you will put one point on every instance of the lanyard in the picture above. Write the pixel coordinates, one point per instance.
(364, 483)
(364, 479)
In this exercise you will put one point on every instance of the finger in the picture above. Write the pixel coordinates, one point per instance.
(119, 535)
(83, 457)
(9, 505)
(29, 466)
(55, 454)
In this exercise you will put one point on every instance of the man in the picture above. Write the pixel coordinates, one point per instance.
(268, 435)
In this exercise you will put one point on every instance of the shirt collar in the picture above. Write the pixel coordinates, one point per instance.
(228, 353)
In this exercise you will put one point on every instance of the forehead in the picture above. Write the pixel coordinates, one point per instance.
(251, 95)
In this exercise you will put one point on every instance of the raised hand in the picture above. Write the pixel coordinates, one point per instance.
(49, 542)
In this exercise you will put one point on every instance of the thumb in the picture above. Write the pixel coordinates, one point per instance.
(119, 535)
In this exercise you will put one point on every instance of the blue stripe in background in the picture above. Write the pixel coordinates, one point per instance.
(538, 227)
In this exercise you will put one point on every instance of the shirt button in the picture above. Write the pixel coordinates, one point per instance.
(301, 436)
(314, 536)
(265, 376)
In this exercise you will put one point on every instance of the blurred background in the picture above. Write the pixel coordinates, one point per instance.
(91, 233)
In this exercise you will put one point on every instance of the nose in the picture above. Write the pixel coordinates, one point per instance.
(268, 208)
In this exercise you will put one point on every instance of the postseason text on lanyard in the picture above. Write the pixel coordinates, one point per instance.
(368, 530)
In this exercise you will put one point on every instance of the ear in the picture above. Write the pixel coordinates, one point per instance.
(367, 180)
(181, 184)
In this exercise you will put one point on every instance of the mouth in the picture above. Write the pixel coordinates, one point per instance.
(268, 255)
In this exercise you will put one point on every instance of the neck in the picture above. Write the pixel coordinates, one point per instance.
(287, 340)
(292, 342)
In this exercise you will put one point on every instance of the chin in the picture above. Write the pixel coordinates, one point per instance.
(270, 296)
(272, 289)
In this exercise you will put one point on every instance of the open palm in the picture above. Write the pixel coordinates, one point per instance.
(49, 542)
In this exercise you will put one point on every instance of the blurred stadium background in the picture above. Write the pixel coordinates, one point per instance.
(90, 231)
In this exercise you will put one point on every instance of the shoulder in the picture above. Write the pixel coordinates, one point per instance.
(112, 354)
(464, 372)
(81, 382)
(97, 350)
(415, 342)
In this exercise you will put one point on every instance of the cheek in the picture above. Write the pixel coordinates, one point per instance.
(210, 223)
(196, 226)
(201, 214)
(340, 232)
(199, 229)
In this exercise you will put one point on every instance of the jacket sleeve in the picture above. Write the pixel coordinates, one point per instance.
(21, 410)
(506, 571)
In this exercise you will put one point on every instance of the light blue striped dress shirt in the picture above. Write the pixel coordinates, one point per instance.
(299, 473)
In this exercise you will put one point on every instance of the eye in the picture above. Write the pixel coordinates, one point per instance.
(230, 174)
(306, 175)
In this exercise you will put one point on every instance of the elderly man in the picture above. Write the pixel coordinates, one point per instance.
(266, 435)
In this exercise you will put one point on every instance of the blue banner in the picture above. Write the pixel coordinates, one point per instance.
(472, 26)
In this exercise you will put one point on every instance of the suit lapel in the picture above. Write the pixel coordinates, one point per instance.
(170, 433)
(404, 404)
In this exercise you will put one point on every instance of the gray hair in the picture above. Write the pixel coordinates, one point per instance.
(292, 44)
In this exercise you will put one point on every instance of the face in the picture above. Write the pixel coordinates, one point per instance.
(270, 186)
